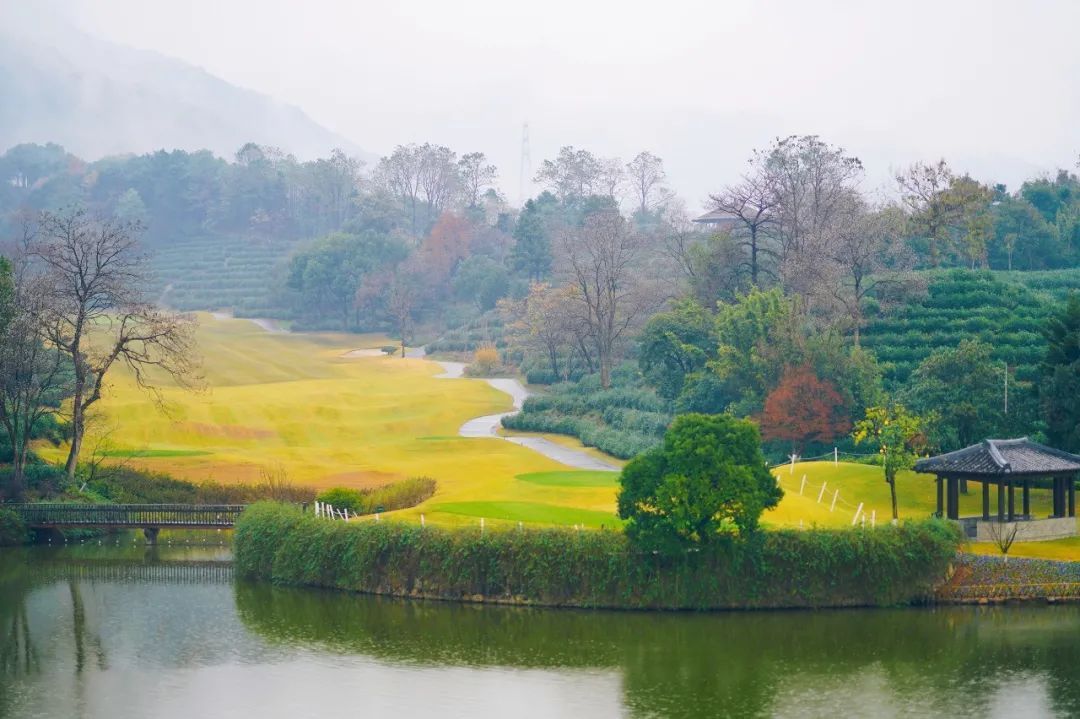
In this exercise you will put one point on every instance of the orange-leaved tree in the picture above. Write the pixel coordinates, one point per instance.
(804, 408)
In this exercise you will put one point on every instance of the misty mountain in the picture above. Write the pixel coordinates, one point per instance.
(96, 98)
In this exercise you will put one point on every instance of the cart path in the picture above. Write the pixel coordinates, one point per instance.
(488, 425)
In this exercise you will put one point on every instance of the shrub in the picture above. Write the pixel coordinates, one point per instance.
(485, 359)
(390, 349)
(398, 495)
(813, 568)
(12, 530)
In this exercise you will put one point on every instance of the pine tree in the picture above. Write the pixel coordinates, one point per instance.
(532, 249)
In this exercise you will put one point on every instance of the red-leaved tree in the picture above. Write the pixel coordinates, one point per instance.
(803, 408)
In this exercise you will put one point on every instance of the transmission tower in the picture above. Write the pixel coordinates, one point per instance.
(526, 164)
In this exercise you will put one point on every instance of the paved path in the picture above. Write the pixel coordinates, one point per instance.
(488, 425)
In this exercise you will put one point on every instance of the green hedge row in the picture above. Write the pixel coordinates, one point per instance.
(814, 568)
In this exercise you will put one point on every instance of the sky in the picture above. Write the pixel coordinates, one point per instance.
(990, 86)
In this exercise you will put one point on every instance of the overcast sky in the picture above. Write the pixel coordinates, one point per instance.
(992, 86)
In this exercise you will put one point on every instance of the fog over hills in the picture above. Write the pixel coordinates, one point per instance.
(98, 98)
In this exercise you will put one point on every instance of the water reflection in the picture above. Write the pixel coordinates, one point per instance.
(113, 633)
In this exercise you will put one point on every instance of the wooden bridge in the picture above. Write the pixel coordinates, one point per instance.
(151, 518)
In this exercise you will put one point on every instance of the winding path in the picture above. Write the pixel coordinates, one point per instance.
(488, 425)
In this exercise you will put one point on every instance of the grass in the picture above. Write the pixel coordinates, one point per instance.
(1060, 549)
(582, 478)
(292, 401)
(533, 512)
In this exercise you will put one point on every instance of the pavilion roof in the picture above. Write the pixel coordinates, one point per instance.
(993, 457)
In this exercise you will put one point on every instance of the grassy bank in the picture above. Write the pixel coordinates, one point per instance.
(818, 568)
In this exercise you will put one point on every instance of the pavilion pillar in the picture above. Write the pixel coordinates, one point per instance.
(1001, 499)
(1027, 499)
(1072, 496)
(1012, 501)
(953, 498)
(940, 497)
(1056, 494)
(986, 501)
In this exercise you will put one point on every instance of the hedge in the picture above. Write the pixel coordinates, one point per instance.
(12, 529)
(553, 567)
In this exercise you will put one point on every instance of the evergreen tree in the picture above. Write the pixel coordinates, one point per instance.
(532, 247)
(1060, 388)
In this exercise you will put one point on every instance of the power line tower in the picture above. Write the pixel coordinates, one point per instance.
(525, 170)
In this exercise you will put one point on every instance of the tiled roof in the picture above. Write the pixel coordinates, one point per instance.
(1002, 456)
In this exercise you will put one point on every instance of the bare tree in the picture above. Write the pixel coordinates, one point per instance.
(753, 202)
(870, 258)
(922, 187)
(603, 263)
(612, 177)
(33, 376)
(1003, 534)
(401, 300)
(97, 317)
(399, 176)
(476, 174)
(574, 173)
(814, 183)
(439, 181)
(646, 178)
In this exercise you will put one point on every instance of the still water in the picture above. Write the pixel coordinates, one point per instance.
(120, 632)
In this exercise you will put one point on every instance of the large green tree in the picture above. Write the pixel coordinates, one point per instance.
(1059, 388)
(965, 388)
(708, 477)
(674, 345)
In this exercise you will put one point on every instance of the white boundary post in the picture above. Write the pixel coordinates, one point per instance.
(873, 517)
(836, 494)
(792, 470)
(835, 456)
(803, 485)
(858, 511)
(422, 524)
(821, 493)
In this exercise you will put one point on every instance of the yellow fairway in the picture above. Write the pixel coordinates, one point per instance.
(294, 401)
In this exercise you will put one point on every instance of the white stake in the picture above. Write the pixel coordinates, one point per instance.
(481, 525)
(346, 514)
(377, 519)
(821, 493)
(858, 511)
(873, 518)
(422, 525)
(835, 495)
(835, 456)
(792, 470)
(803, 485)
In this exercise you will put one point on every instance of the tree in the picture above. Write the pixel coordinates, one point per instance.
(870, 260)
(922, 188)
(603, 259)
(814, 183)
(421, 177)
(573, 174)
(964, 388)
(402, 296)
(803, 409)
(1060, 377)
(674, 345)
(482, 281)
(708, 477)
(34, 379)
(475, 175)
(532, 247)
(97, 317)
(646, 176)
(753, 202)
(899, 436)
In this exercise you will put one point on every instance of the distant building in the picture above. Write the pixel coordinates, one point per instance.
(718, 220)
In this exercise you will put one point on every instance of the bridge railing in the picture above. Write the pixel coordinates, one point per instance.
(128, 515)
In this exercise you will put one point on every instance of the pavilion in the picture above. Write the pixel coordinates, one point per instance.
(1008, 463)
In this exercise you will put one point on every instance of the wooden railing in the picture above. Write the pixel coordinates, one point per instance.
(192, 516)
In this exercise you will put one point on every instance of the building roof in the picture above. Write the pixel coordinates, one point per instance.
(717, 217)
(993, 457)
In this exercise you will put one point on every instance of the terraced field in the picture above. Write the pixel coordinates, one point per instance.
(213, 273)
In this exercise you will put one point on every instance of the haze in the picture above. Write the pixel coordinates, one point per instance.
(988, 85)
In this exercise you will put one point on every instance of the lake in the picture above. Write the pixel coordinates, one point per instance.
(129, 631)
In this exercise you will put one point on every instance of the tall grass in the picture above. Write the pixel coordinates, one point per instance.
(816, 568)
